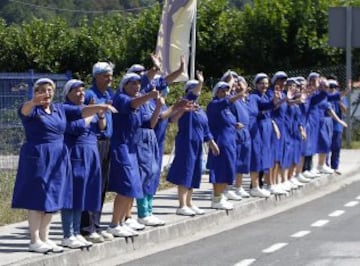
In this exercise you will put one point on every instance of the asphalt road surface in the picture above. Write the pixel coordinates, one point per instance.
(322, 232)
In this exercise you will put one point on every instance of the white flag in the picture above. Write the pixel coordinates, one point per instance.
(174, 34)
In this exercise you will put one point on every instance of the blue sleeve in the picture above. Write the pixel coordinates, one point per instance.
(265, 104)
(72, 112)
(123, 103)
(317, 98)
(76, 127)
(23, 117)
(207, 134)
(333, 97)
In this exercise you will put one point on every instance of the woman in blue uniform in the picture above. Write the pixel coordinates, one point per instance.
(243, 142)
(125, 177)
(223, 127)
(44, 162)
(257, 105)
(148, 159)
(81, 140)
(326, 116)
(186, 168)
(340, 108)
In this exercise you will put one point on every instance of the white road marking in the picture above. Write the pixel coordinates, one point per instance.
(274, 247)
(336, 213)
(319, 223)
(351, 203)
(301, 234)
(246, 262)
(358, 197)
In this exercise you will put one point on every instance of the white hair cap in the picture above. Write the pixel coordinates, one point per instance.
(128, 77)
(136, 68)
(278, 75)
(42, 81)
(102, 67)
(71, 84)
(260, 76)
(220, 85)
(190, 85)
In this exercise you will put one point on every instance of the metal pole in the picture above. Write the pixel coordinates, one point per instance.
(193, 44)
(348, 71)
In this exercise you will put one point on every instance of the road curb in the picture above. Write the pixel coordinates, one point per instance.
(185, 226)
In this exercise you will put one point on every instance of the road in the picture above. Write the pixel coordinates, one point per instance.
(321, 232)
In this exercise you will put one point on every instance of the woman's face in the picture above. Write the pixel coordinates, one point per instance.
(243, 88)
(314, 82)
(280, 82)
(222, 93)
(262, 85)
(47, 92)
(77, 95)
(132, 88)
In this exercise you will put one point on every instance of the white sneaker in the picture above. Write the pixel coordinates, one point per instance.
(285, 186)
(157, 220)
(324, 169)
(223, 204)
(185, 211)
(83, 240)
(119, 231)
(106, 235)
(130, 230)
(241, 192)
(231, 195)
(315, 172)
(39, 247)
(276, 190)
(296, 182)
(308, 174)
(72, 243)
(133, 224)
(300, 177)
(94, 238)
(151, 220)
(258, 192)
(291, 184)
(197, 210)
(55, 248)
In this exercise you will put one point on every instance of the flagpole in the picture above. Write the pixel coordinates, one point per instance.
(193, 44)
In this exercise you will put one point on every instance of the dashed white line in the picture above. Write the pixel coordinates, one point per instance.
(274, 247)
(336, 213)
(246, 262)
(358, 197)
(301, 234)
(351, 203)
(319, 223)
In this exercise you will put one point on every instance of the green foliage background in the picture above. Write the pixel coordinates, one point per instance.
(247, 36)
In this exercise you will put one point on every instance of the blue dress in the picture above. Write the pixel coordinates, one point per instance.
(243, 141)
(256, 105)
(85, 163)
(186, 168)
(280, 146)
(124, 168)
(222, 125)
(94, 93)
(266, 133)
(325, 127)
(147, 152)
(44, 181)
